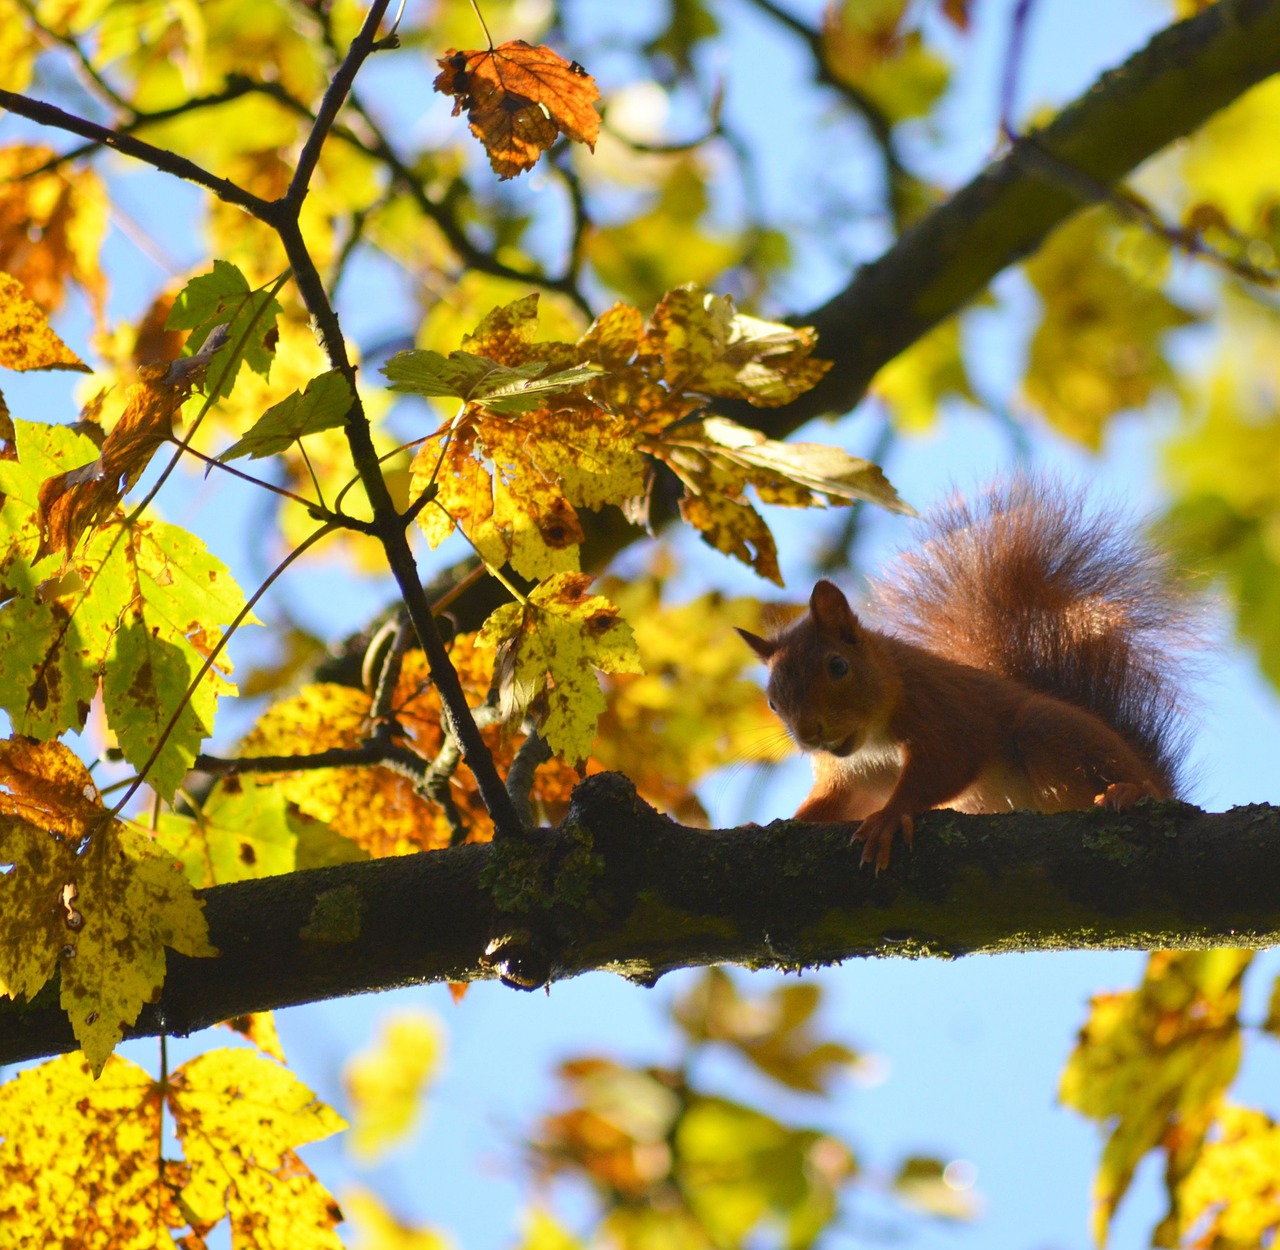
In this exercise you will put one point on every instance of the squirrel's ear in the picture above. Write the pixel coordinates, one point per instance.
(832, 612)
(761, 646)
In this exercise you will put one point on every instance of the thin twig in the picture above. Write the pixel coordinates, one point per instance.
(159, 158)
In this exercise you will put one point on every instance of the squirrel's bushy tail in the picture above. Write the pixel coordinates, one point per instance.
(1026, 581)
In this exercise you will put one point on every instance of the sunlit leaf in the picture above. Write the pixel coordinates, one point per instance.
(64, 211)
(385, 1083)
(322, 406)
(88, 897)
(27, 340)
(549, 649)
(1152, 1066)
(223, 298)
(519, 98)
(240, 832)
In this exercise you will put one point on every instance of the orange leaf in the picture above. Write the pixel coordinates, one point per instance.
(519, 98)
(72, 502)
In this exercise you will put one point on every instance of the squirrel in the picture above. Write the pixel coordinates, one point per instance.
(1034, 661)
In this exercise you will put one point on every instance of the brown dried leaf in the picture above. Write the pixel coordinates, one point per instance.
(519, 98)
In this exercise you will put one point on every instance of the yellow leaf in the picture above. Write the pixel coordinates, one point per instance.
(377, 808)
(27, 340)
(706, 345)
(239, 1119)
(259, 1027)
(80, 1162)
(549, 649)
(377, 1229)
(1231, 1200)
(385, 1083)
(1153, 1064)
(694, 708)
(239, 833)
(1099, 347)
(87, 896)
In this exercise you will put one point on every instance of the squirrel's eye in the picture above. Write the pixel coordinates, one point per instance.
(773, 707)
(837, 666)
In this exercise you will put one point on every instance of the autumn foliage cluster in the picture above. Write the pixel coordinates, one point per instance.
(542, 408)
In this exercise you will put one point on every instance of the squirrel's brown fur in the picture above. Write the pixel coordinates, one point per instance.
(1034, 662)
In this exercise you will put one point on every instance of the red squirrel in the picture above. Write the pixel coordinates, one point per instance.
(1033, 664)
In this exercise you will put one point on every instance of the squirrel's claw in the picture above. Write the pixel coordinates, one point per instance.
(876, 833)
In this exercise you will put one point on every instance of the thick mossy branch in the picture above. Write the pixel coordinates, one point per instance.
(618, 887)
(1167, 90)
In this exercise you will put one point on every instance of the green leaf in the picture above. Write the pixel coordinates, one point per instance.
(223, 298)
(239, 834)
(503, 388)
(322, 406)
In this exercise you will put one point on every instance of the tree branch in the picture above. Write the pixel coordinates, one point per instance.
(618, 887)
(1168, 89)
(159, 158)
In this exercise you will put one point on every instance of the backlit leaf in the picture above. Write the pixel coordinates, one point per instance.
(73, 501)
(519, 99)
(549, 650)
(377, 808)
(500, 388)
(1099, 347)
(707, 346)
(1152, 1066)
(88, 897)
(52, 226)
(385, 1083)
(1230, 1199)
(241, 832)
(773, 1031)
(239, 1119)
(223, 297)
(141, 605)
(322, 406)
(80, 1160)
(27, 340)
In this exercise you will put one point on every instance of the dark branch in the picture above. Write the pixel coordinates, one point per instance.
(619, 887)
(159, 158)
(1168, 89)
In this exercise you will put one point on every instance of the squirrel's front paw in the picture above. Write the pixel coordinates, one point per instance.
(1119, 796)
(876, 834)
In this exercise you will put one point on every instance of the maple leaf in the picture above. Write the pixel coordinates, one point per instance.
(549, 648)
(519, 98)
(507, 389)
(323, 405)
(27, 340)
(245, 319)
(82, 1160)
(511, 470)
(239, 1118)
(707, 346)
(136, 610)
(385, 1083)
(89, 1175)
(238, 834)
(87, 897)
